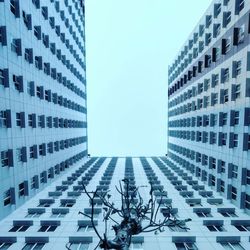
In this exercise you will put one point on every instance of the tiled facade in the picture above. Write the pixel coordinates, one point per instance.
(43, 133)
(209, 102)
(51, 219)
(42, 95)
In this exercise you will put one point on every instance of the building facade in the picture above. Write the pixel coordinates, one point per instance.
(209, 102)
(43, 128)
(43, 133)
(51, 219)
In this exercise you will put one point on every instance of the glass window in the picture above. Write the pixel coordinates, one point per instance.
(33, 246)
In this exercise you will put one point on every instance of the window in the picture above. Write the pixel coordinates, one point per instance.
(45, 12)
(33, 152)
(19, 228)
(33, 246)
(224, 75)
(34, 213)
(215, 80)
(18, 82)
(203, 214)
(224, 119)
(248, 177)
(32, 120)
(236, 117)
(246, 142)
(36, 3)
(45, 39)
(31, 88)
(232, 246)
(47, 228)
(79, 246)
(215, 228)
(20, 119)
(223, 166)
(7, 158)
(186, 246)
(34, 182)
(2, 77)
(247, 201)
(239, 5)
(16, 46)
(235, 91)
(177, 229)
(28, 55)
(14, 7)
(38, 62)
(57, 215)
(234, 193)
(227, 213)
(27, 20)
(7, 197)
(213, 163)
(208, 20)
(214, 99)
(217, 10)
(46, 202)
(226, 18)
(222, 186)
(226, 45)
(21, 189)
(4, 118)
(5, 245)
(85, 228)
(216, 30)
(223, 139)
(234, 140)
(243, 227)
(67, 203)
(52, 22)
(206, 84)
(43, 177)
(208, 38)
(224, 96)
(239, 35)
(41, 121)
(3, 36)
(38, 32)
(237, 65)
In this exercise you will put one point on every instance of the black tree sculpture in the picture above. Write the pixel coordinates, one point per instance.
(136, 216)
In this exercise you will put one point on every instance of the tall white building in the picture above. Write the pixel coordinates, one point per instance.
(51, 219)
(209, 102)
(42, 95)
(43, 133)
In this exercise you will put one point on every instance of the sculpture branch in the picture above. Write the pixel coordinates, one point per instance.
(133, 213)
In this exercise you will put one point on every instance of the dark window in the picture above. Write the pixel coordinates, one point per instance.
(21, 188)
(14, 7)
(38, 32)
(27, 20)
(19, 228)
(18, 82)
(16, 46)
(185, 246)
(3, 35)
(47, 228)
(34, 246)
(28, 55)
(239, 5)
(7, 158)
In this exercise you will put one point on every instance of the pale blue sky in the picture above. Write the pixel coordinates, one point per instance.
(129, 45)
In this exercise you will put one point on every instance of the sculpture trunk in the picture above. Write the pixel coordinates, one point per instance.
(121, 241)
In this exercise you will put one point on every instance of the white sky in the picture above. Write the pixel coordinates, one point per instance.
(129, 45)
